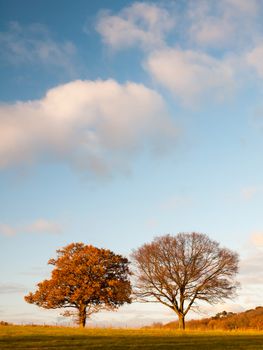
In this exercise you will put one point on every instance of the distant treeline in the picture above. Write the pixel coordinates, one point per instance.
(250, 319)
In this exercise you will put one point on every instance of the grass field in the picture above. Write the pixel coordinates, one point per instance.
(29, 337)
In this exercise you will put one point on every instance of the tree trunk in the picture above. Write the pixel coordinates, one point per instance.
(181, 321)
(82, 316)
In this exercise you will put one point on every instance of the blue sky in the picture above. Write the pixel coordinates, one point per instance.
(120, 121)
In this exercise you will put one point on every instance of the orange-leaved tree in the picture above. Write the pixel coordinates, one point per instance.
(84, 278)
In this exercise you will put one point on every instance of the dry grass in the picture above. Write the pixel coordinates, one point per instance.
(31, 337)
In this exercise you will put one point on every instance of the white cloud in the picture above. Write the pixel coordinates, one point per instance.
(220, 57)
(7, 230)
(245, 7)
(190, 75)
(8, 288)
(217, 24)
(251, 273)
(208, 24)
(212, 31)
(251, 269)
(140, 24)
(95, 126)
(250, 192)
(206, 27)
(39, 226)
(34, 44)
(43, 226)
(255, 59)
(257, 239)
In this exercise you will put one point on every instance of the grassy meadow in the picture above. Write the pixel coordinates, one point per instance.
(42, 337)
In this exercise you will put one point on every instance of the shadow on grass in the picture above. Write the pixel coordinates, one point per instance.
(132, 341)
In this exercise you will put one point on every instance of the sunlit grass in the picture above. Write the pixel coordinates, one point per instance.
(30, 337)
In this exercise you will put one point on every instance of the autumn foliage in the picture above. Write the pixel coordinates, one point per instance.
(249, 319)
(84, 278)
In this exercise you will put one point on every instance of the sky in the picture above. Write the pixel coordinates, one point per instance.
(121, 121)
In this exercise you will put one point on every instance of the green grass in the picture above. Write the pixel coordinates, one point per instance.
(28, 337)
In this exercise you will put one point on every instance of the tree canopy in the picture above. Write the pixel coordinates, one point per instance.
(85, 278)
(179, 270)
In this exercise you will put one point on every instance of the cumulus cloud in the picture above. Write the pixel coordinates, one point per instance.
(34, 44)
(95, 126)
(212, 31)
(194, 51)
(205, 23)
(217, 24)
(38, 226)
(190, 75)
(140, 24)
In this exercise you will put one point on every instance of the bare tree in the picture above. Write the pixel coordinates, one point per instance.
(179, 270)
